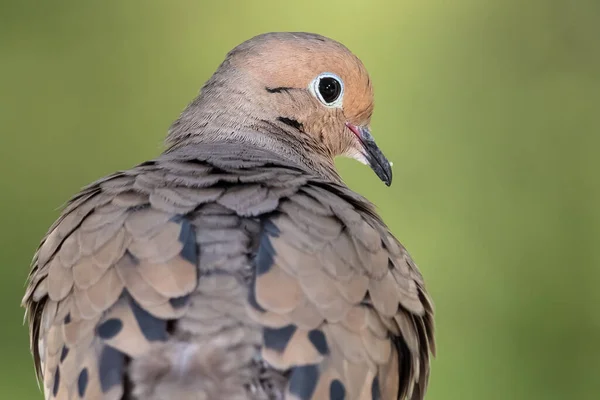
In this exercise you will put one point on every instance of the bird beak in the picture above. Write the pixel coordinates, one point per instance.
(377, 161)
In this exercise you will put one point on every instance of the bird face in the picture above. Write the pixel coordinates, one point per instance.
(316, 87)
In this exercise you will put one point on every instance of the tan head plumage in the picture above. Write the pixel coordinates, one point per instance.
(301, 94)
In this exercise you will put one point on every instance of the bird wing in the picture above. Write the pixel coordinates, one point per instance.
(343, 305)
(183, 266)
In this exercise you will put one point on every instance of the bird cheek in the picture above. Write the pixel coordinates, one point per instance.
(353, 144)
(341, 141)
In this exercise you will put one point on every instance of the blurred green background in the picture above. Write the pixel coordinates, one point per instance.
(490, 111)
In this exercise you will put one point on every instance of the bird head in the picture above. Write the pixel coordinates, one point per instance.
(302, 90)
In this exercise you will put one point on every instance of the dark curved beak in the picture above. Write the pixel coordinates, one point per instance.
(377, 161)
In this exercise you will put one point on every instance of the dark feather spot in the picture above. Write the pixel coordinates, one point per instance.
(188, 239)
(271, 228)
(291, 122)
(82, 382)
(109, 328)
(278, 338)
(317, 338)
(304, 381)
(265, 255)
(68, 318)
(154, 329)
(266, 252)
(178, 302)
(375, 390)
(111, 368)
(278, 89)
(56, 382)
(132, 259)
(337, 390)
(64, 353)
(252, 296)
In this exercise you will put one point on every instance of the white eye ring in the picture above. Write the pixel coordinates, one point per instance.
(313, 88)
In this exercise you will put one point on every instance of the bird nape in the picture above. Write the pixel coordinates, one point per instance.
(237, 264)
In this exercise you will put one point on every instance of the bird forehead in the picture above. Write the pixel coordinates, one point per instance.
(295, 61)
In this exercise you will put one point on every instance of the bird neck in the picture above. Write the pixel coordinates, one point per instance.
(238, 125)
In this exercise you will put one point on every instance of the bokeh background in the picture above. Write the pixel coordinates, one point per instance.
(490, 111)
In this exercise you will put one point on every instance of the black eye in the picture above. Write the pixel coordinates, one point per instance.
(330, 89)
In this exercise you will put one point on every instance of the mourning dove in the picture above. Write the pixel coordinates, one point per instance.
(237, 264)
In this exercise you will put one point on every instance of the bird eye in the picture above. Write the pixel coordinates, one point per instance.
(329, 89)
